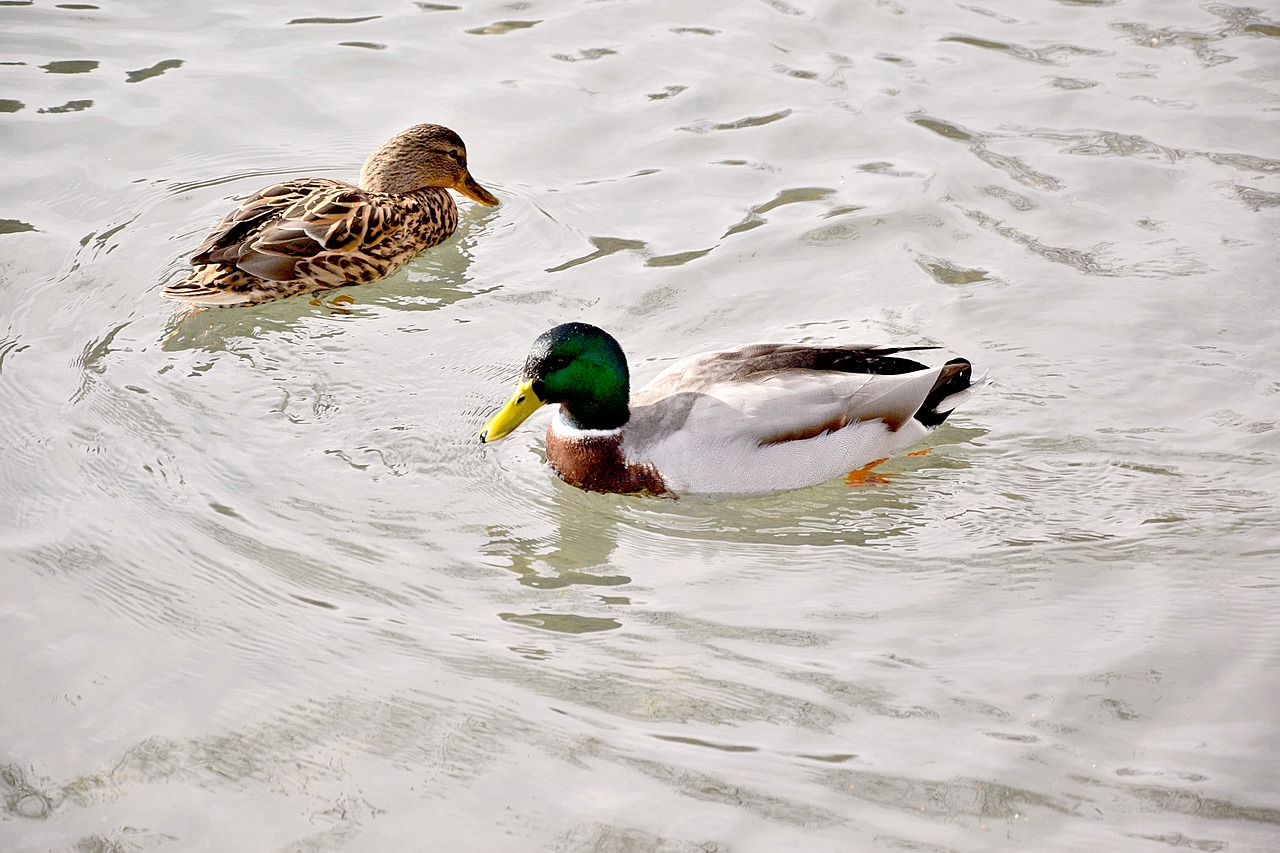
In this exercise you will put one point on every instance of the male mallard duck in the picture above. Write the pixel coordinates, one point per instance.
(753, 419)
(313, 234)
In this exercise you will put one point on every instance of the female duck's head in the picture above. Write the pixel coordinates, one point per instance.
(425, 155)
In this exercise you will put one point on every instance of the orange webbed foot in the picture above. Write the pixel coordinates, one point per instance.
(865, 476)
(337, 304)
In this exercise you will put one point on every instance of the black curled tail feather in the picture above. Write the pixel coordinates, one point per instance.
(955, 376)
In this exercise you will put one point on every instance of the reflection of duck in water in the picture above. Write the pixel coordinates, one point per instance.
(313, 234)
(753, 419)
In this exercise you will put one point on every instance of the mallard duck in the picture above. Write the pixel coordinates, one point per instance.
(757, 418)
(312, 234)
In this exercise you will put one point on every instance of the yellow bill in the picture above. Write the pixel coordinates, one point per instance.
(522, 404)
(467, 186)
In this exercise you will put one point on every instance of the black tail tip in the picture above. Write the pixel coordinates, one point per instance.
(963, 377)
(956, 375)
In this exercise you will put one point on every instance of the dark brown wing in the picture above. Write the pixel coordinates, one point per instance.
(273, 230)
(756, 362)
(752, 360)
(258, 210)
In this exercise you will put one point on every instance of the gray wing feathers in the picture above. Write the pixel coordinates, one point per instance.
(786, 406)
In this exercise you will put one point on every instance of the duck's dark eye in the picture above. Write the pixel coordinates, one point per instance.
(557, 362)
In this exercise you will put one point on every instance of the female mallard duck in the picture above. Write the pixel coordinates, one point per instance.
(753, 419)
(313, 234)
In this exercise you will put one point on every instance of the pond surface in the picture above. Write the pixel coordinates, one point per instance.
(264, 591)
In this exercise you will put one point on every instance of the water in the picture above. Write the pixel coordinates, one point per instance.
(265, 591)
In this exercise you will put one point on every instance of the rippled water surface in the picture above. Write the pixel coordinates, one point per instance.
(263, 590)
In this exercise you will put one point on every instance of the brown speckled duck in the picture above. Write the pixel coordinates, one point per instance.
(756, 418)
(312, 234)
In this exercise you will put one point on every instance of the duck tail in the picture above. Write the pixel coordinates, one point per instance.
(954, 387)
(224, 285)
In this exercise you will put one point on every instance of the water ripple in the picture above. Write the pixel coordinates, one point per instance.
(347, 608)
(1050, 54)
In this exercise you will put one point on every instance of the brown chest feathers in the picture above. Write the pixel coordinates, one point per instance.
(596, 463)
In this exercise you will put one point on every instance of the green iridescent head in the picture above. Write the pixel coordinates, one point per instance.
(577, 365)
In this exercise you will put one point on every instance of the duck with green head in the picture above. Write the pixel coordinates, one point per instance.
(755, 418)
(311, 234)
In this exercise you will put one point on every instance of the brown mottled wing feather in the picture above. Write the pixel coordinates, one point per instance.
(312, 234)
(272, 232)
(241, 226)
